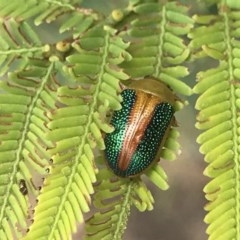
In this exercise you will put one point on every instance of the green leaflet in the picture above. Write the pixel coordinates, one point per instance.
(218, 37)
(76, 131)
(17, 39)
(23, 146)
(113, 197)
(42, 11)
(157, 48)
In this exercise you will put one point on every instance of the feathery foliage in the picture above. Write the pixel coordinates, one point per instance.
(27, 95)
(152, 41)
(17, 39)
(75, 129)
(158, 47)
(29, 92)
(42, 11)
(54, 109)
(112, 199)
(217, 36)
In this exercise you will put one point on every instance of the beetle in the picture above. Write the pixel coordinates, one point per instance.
(141, 127)
(23, 187)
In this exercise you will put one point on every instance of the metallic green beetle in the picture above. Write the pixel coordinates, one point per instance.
(141, 127)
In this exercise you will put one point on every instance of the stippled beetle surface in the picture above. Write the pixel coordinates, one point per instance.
(141, 127)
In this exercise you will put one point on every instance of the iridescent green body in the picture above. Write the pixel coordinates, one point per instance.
(141, 127)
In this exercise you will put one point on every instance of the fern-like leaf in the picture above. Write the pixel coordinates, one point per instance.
(23, 106)
(17, 39)
(218, 37)
(78, 21)
(157, 47)
(42, 10)
(114, 196)
(76, 130)
(113, 201)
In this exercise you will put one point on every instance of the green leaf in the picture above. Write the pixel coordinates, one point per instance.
(157, 49)
(76, 130)
(42, 11)
(217, 37)
(112, 199)
(17, 39)
(23, 107)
